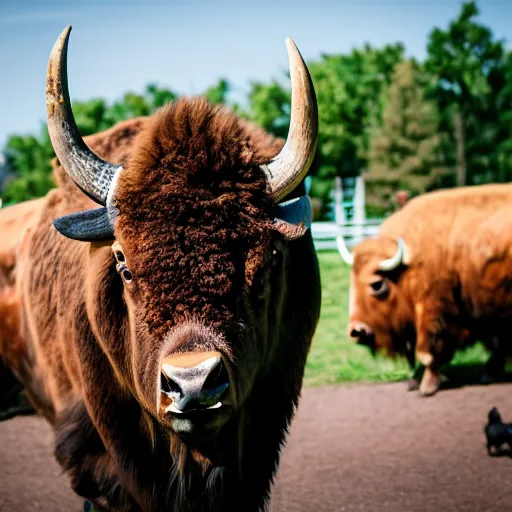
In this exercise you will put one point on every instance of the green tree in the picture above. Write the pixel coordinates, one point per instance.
(349, 92)
(217, 93)
(29, 156)
(92, 116)
(158, 96)
(468, 64)
(502, 82)
(349, 89)
(269, 106)
(405, 151)
(136, 105)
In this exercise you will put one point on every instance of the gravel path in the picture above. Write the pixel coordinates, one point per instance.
(352, 448)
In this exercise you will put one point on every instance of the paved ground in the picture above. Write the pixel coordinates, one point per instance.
(352, 448)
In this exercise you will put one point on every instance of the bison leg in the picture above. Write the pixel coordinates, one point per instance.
(13, 400)
(431, 381)
(413, 382)
(82, 454)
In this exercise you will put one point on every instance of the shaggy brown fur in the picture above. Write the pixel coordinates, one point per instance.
(432, 302)
(210, 272)
(168, 201)
(15, 221)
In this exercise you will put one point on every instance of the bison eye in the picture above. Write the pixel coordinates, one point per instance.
(120, 257)
(127, 275)
(379, 288)
(124, 272)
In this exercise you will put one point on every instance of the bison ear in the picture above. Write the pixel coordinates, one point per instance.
(294, 217)
(87, 226)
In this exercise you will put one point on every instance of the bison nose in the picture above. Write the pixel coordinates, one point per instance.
(359, 330)
(192, 382)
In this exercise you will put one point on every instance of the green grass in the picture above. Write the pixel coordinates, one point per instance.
(335, 358)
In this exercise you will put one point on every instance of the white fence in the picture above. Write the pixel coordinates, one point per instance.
(352, 231)
(325, 233)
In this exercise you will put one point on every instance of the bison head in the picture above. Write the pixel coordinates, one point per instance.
(186, 284)
(379, 311)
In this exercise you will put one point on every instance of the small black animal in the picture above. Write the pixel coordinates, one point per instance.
(497, 432)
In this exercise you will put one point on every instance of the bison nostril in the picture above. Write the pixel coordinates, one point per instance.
(168, 385)
(193, 386)
(218, 377)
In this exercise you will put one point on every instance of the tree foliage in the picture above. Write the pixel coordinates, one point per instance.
(461, 115)
(29, 156)
(405, 150)
(217, 93)
(269, 106)
(349, 91)
(468, 64)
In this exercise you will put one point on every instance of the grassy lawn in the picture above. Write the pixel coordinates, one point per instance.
(335, 358)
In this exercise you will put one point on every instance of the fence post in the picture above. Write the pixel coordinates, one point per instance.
(359, 209)
(339, 211)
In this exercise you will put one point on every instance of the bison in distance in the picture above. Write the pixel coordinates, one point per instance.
(438, 278)
(163, 305)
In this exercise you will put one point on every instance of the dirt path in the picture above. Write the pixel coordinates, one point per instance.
(352, 448)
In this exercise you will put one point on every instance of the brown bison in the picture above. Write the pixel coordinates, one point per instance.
(436, 279)
(14, 221)
(164, 336)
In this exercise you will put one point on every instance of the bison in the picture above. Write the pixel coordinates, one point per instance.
(436, 279)
(165, 303)
(14, 221)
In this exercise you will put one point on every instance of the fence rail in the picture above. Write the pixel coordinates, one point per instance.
(350, 226)
(326, 233)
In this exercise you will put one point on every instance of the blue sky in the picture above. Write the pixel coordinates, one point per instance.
(188, 44)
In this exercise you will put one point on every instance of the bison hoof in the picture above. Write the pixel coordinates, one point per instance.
(413, 384)
(430, 383)
(428, 391)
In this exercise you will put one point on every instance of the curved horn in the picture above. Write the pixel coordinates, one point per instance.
(286, 170)
(396, 259)
(92, 174)
(344, 251)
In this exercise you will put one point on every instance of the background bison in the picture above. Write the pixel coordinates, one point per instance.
(164, 336)
(436, 279)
